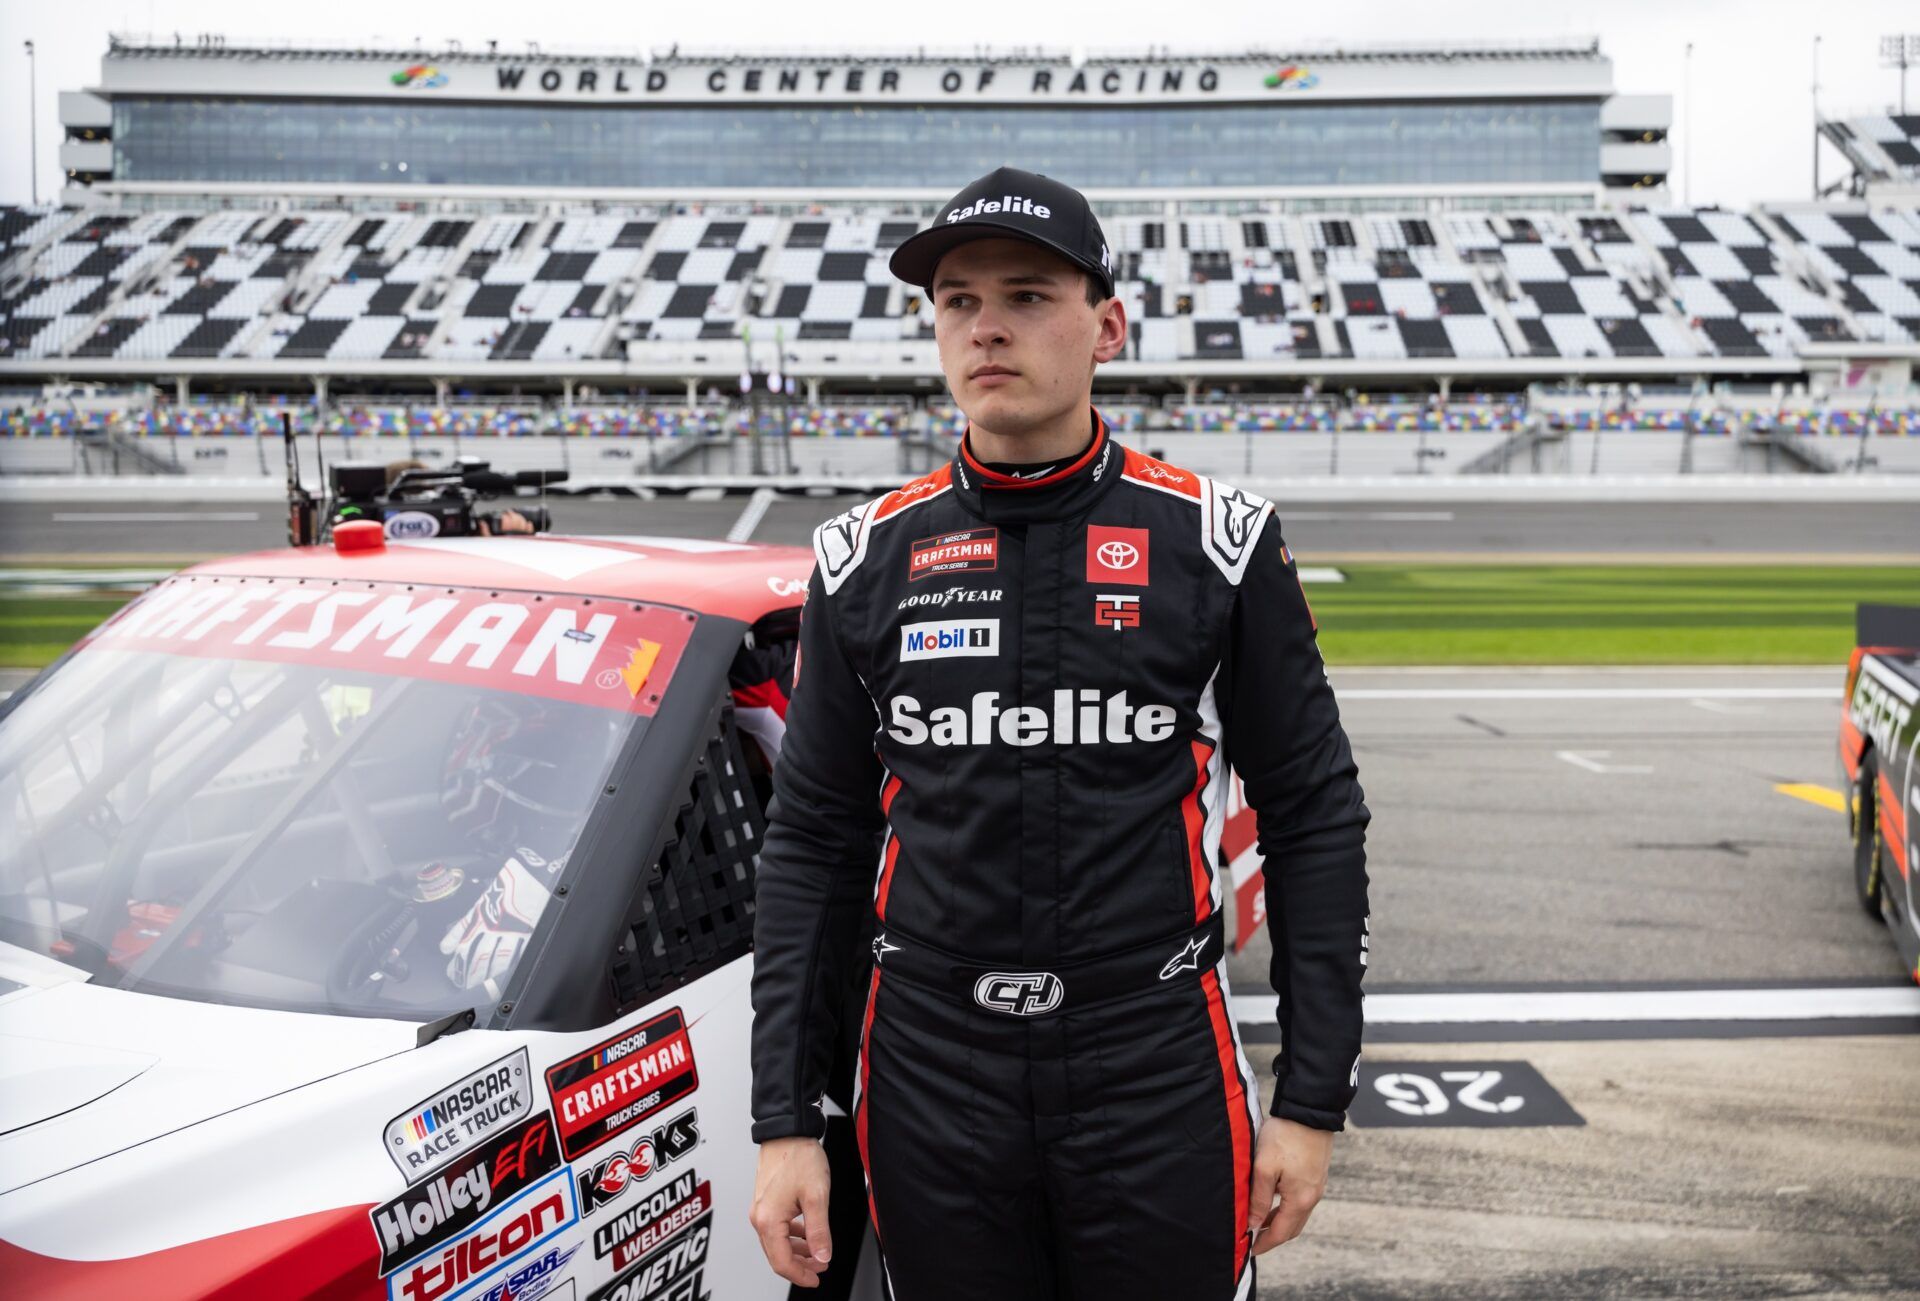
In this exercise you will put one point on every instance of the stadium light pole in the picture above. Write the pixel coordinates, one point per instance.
(1816, 119)
(1900, 52)
(33, 125)
(1686, 94)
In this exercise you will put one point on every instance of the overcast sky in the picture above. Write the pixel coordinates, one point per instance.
(1750, 126)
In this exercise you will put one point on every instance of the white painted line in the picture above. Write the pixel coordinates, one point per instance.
(83, 577)
(1590, 760)
(1624, 1005)
(156, 517)
(1716, 707)
(692, 546)
(1320, 574)
(1590, 693)
(1385, 516)
(756, 510)
(1361, 490)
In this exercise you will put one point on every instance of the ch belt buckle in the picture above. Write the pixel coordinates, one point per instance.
(1019, 993)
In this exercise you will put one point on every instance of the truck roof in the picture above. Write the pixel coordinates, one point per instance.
(1887, 627)
(735, 580)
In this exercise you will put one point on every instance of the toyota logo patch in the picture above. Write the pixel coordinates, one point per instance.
(1117, 555)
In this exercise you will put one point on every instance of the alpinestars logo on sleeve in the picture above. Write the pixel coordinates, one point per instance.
(839, 538)
(1233, 521)
(1237, 516)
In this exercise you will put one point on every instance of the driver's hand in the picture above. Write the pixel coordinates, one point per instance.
(511, 521)
(790, 1209)
(483, 944)
(1289, 1166)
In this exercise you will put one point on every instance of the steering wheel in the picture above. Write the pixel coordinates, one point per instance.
(358, 973)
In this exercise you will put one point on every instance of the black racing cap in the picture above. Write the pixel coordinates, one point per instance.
(1009, 203)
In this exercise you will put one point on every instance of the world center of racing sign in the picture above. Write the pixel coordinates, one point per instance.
(588, 650)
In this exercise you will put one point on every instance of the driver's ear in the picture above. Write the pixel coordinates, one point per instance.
(1112, 337)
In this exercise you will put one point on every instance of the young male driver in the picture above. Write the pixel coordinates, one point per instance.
(1022, 679)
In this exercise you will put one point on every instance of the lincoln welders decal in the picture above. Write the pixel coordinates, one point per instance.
(674, 1272)
(615, 1085)
(642, 1227)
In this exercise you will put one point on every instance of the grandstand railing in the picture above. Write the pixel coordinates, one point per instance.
(1894, 417)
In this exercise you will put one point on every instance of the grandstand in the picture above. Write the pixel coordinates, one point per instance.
(1488, 222)
(663, 293)
(1883, 151)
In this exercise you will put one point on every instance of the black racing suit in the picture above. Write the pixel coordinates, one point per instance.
(1007, 747)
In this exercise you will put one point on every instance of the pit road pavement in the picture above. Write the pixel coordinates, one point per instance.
(1735, 1032)
(43, 532)
(1614, 839)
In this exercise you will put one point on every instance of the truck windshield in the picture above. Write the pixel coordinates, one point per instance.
(367, 825)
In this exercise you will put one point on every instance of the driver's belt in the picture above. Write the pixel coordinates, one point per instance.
(1015, 990)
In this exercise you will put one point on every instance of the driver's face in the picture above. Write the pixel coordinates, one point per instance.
(1013, 306)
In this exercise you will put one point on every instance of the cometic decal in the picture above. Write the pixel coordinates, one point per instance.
(613, 1086)
(674, 1272)
(440, 1126)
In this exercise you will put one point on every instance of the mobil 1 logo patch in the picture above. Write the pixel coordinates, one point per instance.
(440, 1126)
(1448, 1095)
(949, 639)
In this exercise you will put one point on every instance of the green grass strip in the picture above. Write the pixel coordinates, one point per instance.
(1594, 614)
(1441, 614)
(36, 630)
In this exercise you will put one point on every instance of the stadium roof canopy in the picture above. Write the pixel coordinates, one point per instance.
(1538, 121)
